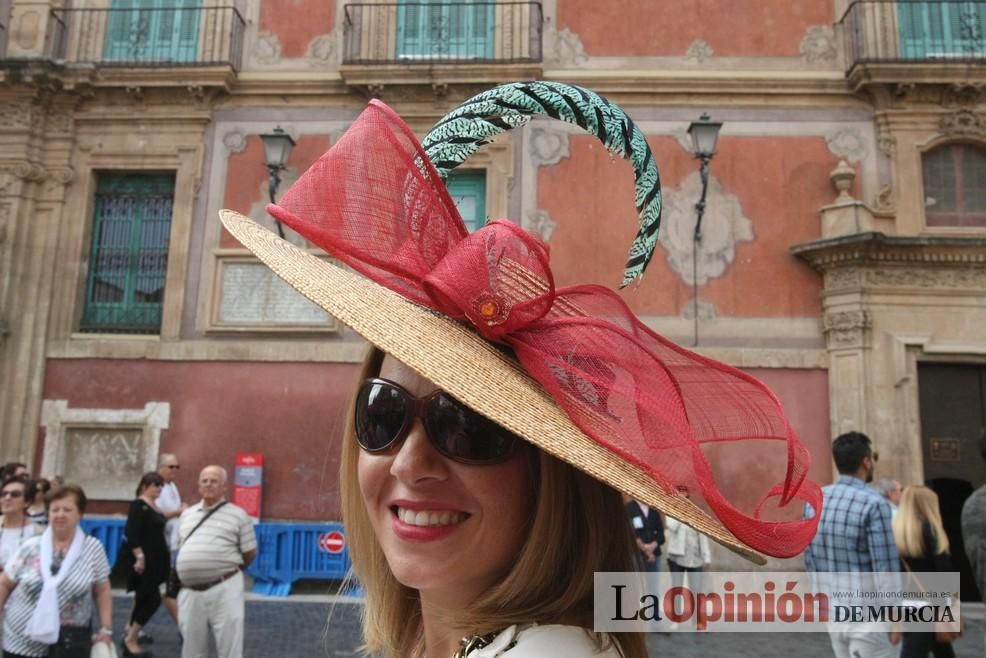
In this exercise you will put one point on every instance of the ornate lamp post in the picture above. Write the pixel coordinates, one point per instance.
(277, 148)
(704, 134)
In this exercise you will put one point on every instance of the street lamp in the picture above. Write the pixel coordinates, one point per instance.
(704, 134)
(277, 148)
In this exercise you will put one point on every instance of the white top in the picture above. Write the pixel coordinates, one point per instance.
(217, 547)
(686, 546)
(549, 641)
(170, 501)
(12, 538)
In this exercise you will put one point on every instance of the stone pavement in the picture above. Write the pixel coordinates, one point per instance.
(300, 627)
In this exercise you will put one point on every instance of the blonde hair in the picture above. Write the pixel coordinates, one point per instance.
(578, 526)
(918, 505)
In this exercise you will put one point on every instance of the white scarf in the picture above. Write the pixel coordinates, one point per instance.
(46, 621)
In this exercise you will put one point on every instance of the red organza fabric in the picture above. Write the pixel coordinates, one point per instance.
(375, 202)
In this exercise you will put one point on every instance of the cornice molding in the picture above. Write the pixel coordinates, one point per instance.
(877, 248)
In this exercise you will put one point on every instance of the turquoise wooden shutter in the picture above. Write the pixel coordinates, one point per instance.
(942, 30)
(445, 29)
(468, 191)
(129, 255)
(153, 31)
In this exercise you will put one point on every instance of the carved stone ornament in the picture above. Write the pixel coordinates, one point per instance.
(267, 48)
(970, 278)
(234, 141)
(846, 144)
(566, 48)
(699, 51)
(963, 94)
(60, 122)
(706, 310)
(30, 171)
(819, 45)
(540, 222)
(887, 144)
(847, 328)
(321, 50)
(842, 178)
(885, 198)
(723, 228)
(548, 147)
(964, 122)
(15, 114)
(847, 277)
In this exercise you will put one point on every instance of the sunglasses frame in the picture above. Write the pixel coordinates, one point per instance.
(418, 410)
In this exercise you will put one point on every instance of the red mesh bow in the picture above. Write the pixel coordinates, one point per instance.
(375, 202)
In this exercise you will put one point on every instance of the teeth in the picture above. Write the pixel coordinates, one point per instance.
(429, 518)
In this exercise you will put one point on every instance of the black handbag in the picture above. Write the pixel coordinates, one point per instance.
(73, 642)
(174, 582)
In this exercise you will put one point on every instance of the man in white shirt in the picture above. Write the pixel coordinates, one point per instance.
(169, 503)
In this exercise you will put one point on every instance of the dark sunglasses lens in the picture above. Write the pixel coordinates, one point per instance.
(381, 412)
(464, 435)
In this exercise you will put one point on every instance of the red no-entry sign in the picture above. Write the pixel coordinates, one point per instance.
(332, 542)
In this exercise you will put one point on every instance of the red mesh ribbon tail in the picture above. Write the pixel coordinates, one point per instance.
(656, 404)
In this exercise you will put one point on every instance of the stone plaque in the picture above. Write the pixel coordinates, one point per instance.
(104, 460)
(251, 294)
(945, 450)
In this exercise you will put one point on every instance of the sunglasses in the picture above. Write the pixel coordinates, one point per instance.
(385, 413)
(12, 494)
(174, 467)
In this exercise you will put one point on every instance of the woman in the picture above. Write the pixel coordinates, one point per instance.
(923, 547)
(688, 553)
(15, 526)
(497, 420)
(37, 511)
(147, 547)
(48, 588)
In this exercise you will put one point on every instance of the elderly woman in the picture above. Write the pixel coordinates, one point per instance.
(15, 526)
(49, 587)
(496, 419)
(149, 561)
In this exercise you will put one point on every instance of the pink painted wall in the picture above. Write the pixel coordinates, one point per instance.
(246, 175)
(297, 23)
(733, 28)
(293, 413)
(780, 182)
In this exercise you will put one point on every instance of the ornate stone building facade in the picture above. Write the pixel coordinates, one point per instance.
(844, 240)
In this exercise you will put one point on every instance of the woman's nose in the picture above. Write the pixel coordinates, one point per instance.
(416, 459)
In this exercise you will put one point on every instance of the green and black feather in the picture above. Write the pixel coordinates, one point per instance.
(462, 131)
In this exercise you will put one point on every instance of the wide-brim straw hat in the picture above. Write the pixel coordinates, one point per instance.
(376, 202)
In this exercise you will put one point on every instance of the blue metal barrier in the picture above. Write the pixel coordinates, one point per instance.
(288, 552)
(108, 530)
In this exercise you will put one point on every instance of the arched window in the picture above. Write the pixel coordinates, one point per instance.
(955, 186)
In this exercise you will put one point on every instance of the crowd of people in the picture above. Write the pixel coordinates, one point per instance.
(883, 527)
(54, 578)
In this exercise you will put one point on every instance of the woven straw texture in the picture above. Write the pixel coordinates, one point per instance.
(459, 361)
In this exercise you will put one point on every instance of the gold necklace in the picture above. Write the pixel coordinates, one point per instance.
(474, 643)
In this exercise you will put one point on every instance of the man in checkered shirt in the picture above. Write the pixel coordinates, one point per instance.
(855, 535)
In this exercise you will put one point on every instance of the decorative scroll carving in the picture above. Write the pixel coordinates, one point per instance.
(847, 328)
(234, 141)
(16, 114)
(723, 227)
(963, 94)
(540, 222)
(30, 171)
(846, 277)
(267, 49)
(566, 48)
(548, 147)
(846, 144)
(321, 50)
(699, 51)
(885, 199)
(964, 123)
(818, 45)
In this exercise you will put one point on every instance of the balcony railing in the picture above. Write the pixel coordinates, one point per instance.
(462, 32)
(181, 36)
(940, 31)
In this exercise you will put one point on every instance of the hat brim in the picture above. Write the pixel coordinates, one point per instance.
(459, 361)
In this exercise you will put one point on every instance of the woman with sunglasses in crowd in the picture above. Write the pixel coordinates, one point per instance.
(146, 552)
(15, 527)
(496, 420)
(37, 511)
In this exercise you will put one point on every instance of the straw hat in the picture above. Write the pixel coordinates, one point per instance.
(583, 379)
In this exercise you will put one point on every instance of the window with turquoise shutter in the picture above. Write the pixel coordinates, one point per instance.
(468, 191)
(128, 259)
(152, 31)
(942, 30)
(443, 29)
